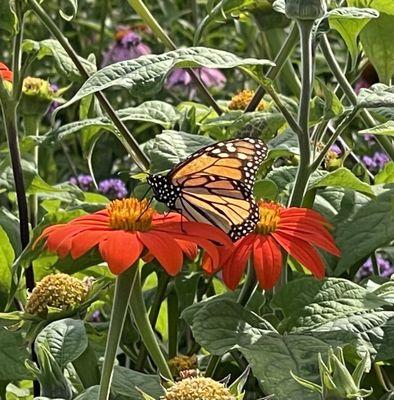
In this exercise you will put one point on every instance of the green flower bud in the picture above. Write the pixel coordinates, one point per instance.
(305, 9)
(37, 95)
(56, 291)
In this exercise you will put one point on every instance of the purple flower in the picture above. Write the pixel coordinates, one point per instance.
(376, 162)
(336, 149)
(113, 188)
(385, 268)
(128, 46)
(361, 84)
(369, 138)
(55, 104)
(83, 181)
(211, 77)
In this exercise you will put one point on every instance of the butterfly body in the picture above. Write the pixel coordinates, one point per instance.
(215, 185)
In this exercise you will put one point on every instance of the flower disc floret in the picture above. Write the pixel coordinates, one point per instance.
(58, 291)
(269, 218)
(197, 389)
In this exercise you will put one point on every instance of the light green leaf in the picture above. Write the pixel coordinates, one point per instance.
(171, 147)
(384, 129)
(126, 382)
(343, 177)
(13, 353)
(65, 339)
(378, 95)
(369, 228)
(7, 256)
(265, 189)
(64, 64)
(377, 41)
(385, 6)
(8, 19)
(10, 224)
(349, 22)
(386, 175)
(147, 74)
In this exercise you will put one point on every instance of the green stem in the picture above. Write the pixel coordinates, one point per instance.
(126, 137)
(138, 309)
(280, 60)
(303, 172)
(32, 128)
(173, 316)
(141, 9)
(123, 288)
(17, 79)
(247, 290)
(160, 294)
(367, 118)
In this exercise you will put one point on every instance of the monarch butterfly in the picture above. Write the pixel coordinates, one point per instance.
(215, 185)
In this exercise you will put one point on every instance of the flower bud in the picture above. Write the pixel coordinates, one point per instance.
(305, 9)
(37, 95)
(182, 363)
(241, 100)
(57, 291)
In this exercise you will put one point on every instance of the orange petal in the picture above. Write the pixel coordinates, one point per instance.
(120, 250)
(188, 248)
(267, 261)
(81, 244)
(236, 263)
(164, 248)
(303, 252)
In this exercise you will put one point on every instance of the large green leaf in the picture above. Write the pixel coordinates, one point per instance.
(386, 175)
(371, 227)
(13, 353)
(155, 112)
(378, 95)
(349, 22)
(315, 303)
(171, 147)
(65, 339)
(7, 256)
(64, 64)
(147, 74)
(221, 324)
(10, 224)
(344, 178)
(126, 381)
(385, 6)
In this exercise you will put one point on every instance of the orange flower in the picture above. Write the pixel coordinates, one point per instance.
(299, 231)
(128, 229)
(5, 73)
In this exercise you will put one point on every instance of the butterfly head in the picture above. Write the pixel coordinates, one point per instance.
(163, 190)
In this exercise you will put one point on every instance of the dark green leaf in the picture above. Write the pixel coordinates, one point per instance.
(8, 19)
(378, 95)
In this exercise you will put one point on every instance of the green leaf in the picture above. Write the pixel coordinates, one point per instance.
(8, 19)
(147, 74)
(369, 228)
(10, 224)
(384, 129)
(378, 95)
(385, 6)
(7, 256)
(377, 41)
(171, 147)
(315, 303)
(265, 189)
(285, 144)
(349, 22)
(343, 177)
(13, 353)
(386, 175)
(63, 62)
(155, 112)
(66, 340)
(126, 382)
(89, 394)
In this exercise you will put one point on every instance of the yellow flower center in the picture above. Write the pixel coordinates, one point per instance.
(130, 215)
(269, 217)
(241, 100)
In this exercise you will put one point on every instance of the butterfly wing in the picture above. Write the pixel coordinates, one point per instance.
(236, 160)
(225, 203)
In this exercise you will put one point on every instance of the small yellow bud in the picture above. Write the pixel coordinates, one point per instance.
(182, 363)
(241, 100)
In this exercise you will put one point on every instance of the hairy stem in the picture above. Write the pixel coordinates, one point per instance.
(138, 309)
(141, 9)
(128, 140)
(280, 60)
(303, 173)
(124, 286)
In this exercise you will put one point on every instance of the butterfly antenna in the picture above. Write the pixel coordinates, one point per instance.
(147, 206)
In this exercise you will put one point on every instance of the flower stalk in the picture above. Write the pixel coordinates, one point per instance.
(138, 309)
(125, 283)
